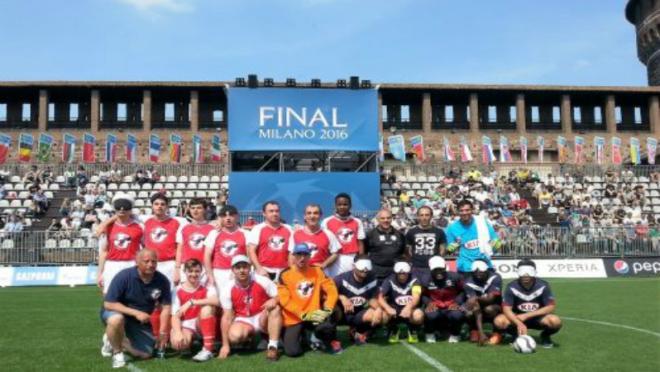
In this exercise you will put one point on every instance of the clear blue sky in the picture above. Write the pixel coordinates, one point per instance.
(576, 42)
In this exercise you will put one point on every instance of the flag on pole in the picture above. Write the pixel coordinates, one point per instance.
(466, 153)
(487, 155)
(154, 148)
(635, 154)
(579, 149)
(5, 144)
(131, 148)
(417, 145)
(176, 142)
(68, 148)
(523, 149)
(540, 143)
(599, 145)
(197, 149)
(616, 151)
(25, 142)
(505, 153)
(216, 155)
(110, 148)
(45, 147)
(381, 149)
(651, 146)
(89, 144)
(397, 147)
(449, 153)
(562, 149)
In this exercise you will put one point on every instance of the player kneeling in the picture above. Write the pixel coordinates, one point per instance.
(250, 305)
(193, 312)
(358, 299)
(483, 290)
(528, 303)
(443, 297)
(400, 296)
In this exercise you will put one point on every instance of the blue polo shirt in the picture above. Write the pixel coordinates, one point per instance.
(128, 289)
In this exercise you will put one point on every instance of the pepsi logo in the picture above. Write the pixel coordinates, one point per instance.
(621, 267)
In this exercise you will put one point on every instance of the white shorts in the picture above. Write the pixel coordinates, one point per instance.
(222, 277)
(111, 269)
(253, 321)
(191, 324)
(203, 279)
(167, 268)
(343, 264)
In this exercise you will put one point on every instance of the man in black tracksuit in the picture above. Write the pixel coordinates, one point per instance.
(384, 245)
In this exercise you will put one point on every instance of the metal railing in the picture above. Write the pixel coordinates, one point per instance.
(58, 248)
(127, 169)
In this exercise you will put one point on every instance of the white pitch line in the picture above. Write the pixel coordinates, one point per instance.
(131, 367)
(656, 334)
(427, 358)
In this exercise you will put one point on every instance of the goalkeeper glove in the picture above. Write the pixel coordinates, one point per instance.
(452, 247)
(317, 316)
(496, 244)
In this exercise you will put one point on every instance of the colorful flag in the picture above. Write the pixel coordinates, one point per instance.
(651, 146)
(417, 145)
(523, 149)
(154, 148)
(216, 154)
(45, 147)
(110, 148)
(5, 144)
(397, 147)
(579, 149)
(381, 149)
(616, 151)
(466, 153)
(487, 155)
(599, 146)
(540, 143)
(635, 153)
(131, 148)
(68, 148)
(25, 142)
(176, 143)
(562, 149)
(89, 145)
(197, 149)
(505, 153)
(449, 153)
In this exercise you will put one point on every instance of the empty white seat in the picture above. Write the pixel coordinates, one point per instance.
(171, 179)
(157, 185)
(28, 203)
(19, 186)
(189, 194)
(24, 195)
(124, 186)
(202, 186)
(175, 202)
(421, 179)
(15, 179)
(214, 186)
(49, 194)
(200, 194)
(177, 194)
(4, 203)
(224, 178)
(94, 179)
(212, 194)
(416, 186)
(8, 244)
(169, 186)
(15, 203)
(194, 179)
(412, 179)
(54, 186)
(146, 186)
(79, 243)
(27, 222)
(204, 179)
(143, 194)
(191, 186)
(9, 186)
(64, 243)
(112, 186)
(183, 179)
(215, 178)
(139, 202)
(51, 243)
(60, 179)
(135, 211)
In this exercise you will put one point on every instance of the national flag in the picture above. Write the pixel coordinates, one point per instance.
(131, 148)
(540, 143)
(616, 151)
(579, 149)
(449, 153)
(417, 145)
(89, 145)
(397, 147)
(197, 149)
(110, 148)
(216, 155)
(635, 153)
(505, 153)
(599, 148)
(562, 149)
(45, 147)
(523, 149)
(651, 146)
(25, 147)
(68, 148)
(154, 148)
(381, 149)
(176, 142)
(487, 155)
(5, 144)
(466, 153)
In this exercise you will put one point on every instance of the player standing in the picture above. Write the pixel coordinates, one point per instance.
(349, 232)
(322, 242)
(424, 241)
(269, 243)
(223, 245)
(190, 239)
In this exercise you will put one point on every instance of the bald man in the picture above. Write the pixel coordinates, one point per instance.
(133, 295)
(384, 245)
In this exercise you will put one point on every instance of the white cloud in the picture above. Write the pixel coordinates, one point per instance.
(153, 6)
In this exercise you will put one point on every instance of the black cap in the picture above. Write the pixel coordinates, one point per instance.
(228, 210)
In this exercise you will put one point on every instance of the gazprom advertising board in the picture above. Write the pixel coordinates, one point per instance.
(299, 119)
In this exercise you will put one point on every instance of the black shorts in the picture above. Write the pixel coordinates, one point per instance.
(535, 322)
(355, 319)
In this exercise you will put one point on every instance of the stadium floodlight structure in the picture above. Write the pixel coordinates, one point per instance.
(366, 84)
(239, 82)
(354, 82)
(269, 82)
(253, 81)
(290, 82)
(316, 83)
(341, 83)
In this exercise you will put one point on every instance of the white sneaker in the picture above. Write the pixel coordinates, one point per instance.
(118, 360)
(454, 339)
(203, 356)
(430, 338)
(106, 348)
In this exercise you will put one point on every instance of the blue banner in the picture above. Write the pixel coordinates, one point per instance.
(280, 119)
(295, 190)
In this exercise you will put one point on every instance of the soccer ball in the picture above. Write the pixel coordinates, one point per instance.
(524, 344)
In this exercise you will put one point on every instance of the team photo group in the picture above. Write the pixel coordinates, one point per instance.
(206, 289)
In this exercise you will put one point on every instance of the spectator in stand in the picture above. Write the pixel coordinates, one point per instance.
(65, 208)
(54, 229)
(31, 176)
(70, 177)
(104, 175)
(140, 177)
(3, 191)
(81, 177)
(47, 176)
(41, 202)
(115, 174)
(13, 227)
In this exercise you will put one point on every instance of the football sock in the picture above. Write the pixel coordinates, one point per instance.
(207, 326)
(155, 322)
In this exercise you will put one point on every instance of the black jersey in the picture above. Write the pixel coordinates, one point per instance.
(424, 244)
(358, 293)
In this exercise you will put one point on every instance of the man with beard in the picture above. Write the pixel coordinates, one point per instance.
(222, 246)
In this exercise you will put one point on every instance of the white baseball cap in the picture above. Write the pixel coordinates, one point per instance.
(402, 267)
(479, 266)
(437, 262)
(241, 258)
